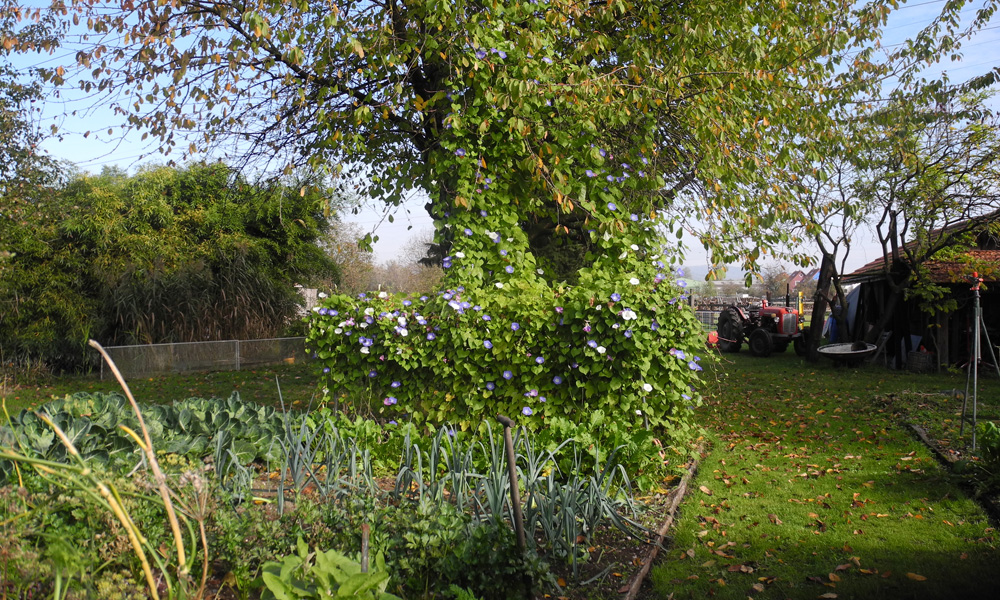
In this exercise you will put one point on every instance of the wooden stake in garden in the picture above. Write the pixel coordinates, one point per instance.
(515, 493)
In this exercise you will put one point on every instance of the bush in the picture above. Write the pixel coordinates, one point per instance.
(626, 348)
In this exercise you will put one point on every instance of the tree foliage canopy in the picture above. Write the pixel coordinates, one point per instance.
(163, 255)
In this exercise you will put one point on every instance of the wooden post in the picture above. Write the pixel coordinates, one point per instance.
(515, 493)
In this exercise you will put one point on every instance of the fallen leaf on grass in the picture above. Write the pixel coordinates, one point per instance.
(708, 563)
(774, 519)
(834, 577)
(758, 587)
(843, 567)
(623, 589)
(916, 577)
(828, 595)
(705, 490)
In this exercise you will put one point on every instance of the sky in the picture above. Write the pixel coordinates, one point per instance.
(107, 144)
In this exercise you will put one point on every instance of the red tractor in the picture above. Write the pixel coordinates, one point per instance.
(765, 329)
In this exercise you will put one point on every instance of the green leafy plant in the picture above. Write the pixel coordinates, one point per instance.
(319, 574)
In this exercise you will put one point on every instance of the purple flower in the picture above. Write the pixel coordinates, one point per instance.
(515, 326)
(634, 217)
(615, 297)
(487, 318)
(547, 60)
(503, 253)
(483, 213)
(612, 206)
(460, 152)
(557, 380)
(628, 333)
(488, 344)
(591, 173)
(326, 369)
(602, 152)
(654, 325)
(499, 53)
(592, 343)
(508, 375)
(539, 360)
(480, 54)
(678, 353)
(541, 398)
(395, 384)
(559, 309)
(694, 366)
(373, 373)
(586, 327)
(526, 411)
(389, 401)
(468, 231)
(490, 385)
(430, 337)
(509, 269)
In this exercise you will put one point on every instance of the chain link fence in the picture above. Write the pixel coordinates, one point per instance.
(182, 357)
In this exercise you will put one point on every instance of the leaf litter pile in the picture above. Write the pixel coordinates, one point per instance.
(814, 487)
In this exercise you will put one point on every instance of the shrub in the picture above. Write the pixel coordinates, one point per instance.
(626, 347)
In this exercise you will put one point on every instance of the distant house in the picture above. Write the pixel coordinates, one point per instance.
(945, 335)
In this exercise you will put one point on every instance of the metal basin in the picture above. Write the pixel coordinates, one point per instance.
(849, 354)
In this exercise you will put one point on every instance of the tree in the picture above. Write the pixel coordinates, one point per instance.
(164, 255)
(685, 112)
(933, 184)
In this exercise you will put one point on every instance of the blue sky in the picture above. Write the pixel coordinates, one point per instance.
(75, 114)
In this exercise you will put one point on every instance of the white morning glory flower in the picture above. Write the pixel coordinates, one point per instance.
(634, 247)
(383, 295)
(315, 309)
(601, 349)
(634, 281)
(460, 255)
(623, 255)
(647, 388)
(401, 321)
(370, 311)
(499, 285)
(321, 295)
(629, 315)
(338, 331)
(364, 349)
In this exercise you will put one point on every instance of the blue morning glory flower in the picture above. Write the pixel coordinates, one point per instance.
(480, 54)
(634, 217)
(430, 337)
(468, 231)
(541, 398)
(460, 152)
(526, 411)
(546, 60)
(389, 401)
(557, 380)
(591, 173)
(490, 385)
(615, 297)
(488, 344)
(326, 369)
(503, 253)
(602, 152)
(612, 206)
(694, 366)
(373, 373)
(508, 375)
(483, 213)
(628, 333)
(509, 269)
(540, 360)
(395, 384)
(592, 343)
(407, 303)
(487, 318)
(515, 326)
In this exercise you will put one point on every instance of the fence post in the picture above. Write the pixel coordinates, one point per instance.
(237, 355)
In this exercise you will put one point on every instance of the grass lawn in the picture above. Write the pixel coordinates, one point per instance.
(814, 487)
(298, 384)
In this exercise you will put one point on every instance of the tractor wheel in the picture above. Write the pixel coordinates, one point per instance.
(779, 347)
(730, 330)
(800, 342)
(760, 342)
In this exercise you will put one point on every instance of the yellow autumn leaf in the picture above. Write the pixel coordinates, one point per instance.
(916, 577)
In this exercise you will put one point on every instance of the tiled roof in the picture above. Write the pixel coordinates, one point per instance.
(941, 271)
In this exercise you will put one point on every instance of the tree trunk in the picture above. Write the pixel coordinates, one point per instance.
(820, 301)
